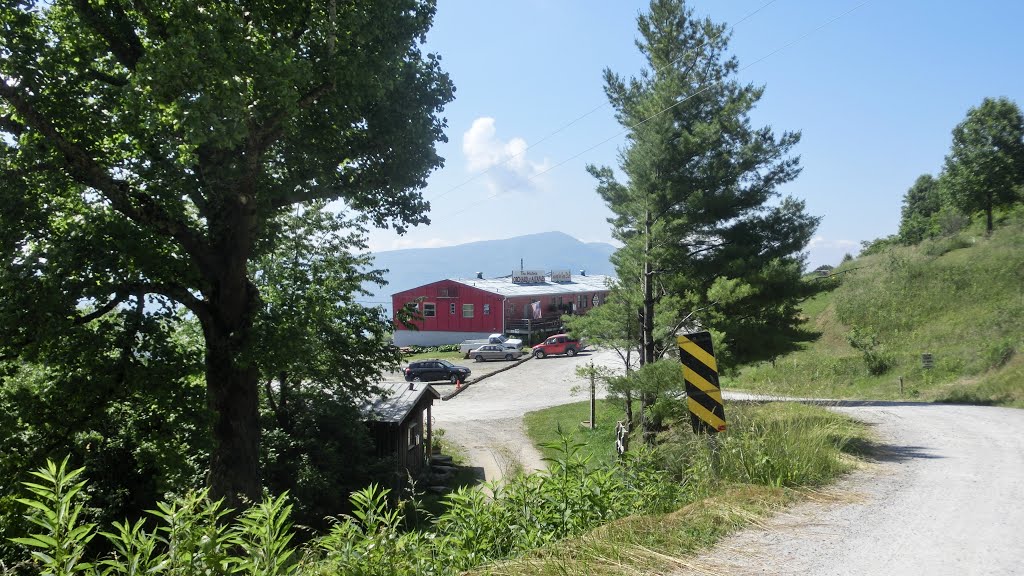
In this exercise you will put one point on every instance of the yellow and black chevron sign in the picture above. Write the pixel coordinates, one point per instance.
(703, 395)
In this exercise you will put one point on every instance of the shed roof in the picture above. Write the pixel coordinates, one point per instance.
(505, 286)
(396, 402)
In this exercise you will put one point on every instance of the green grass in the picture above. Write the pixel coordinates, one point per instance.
(771, 456)
(653, 544)
(542, 427)
(454, 357)
(960, 299)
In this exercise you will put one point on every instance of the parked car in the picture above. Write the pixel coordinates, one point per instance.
(468, 346)
(495, 352)
(558, 344)
(434, 370)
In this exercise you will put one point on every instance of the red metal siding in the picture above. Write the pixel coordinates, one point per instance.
(444, 320)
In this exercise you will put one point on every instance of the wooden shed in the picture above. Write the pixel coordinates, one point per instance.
(399, 423)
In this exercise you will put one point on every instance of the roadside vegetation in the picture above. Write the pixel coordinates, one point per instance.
(670, 500)
(958, 297)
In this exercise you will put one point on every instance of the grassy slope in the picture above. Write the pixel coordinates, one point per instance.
(960, 298)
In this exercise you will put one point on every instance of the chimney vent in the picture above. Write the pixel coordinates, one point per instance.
(412, 386)
(583, 272)
(480, 275)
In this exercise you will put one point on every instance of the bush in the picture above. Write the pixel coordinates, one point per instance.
(877, 359)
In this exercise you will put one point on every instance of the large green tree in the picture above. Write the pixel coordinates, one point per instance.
(148, 151)
(985, 166)
(697, 204)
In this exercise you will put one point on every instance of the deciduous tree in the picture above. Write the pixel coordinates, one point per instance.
(985, 165)
(148, 150)
(921, 202)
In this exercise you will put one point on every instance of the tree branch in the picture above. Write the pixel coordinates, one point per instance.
(274, 127)
(12, 126)
(137, 206)
(115, 28)
(105, 77)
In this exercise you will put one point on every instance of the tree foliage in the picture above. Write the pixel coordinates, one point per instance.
(920, 204)
(985, 165)
(698, 206)
(149, 153)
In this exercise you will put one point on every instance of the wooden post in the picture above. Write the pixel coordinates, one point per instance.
(593, 395)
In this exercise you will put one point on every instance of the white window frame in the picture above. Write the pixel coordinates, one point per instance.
(431, 307)
(467, 308)
(451, 309)
(487, 309)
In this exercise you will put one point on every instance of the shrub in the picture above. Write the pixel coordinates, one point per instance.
(877, 359)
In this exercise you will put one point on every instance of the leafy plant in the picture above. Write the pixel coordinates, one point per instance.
(60, 547)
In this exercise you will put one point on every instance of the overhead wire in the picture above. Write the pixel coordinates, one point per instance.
(666, 109)
(595, 109)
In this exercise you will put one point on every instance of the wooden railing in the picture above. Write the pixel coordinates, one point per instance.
(528, 325)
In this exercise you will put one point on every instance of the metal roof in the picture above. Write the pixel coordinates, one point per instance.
(397, 401)
(505, 287)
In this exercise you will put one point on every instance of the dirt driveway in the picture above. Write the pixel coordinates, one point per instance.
(487, 418)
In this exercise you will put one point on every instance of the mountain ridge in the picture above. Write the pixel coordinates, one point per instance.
(411, 267)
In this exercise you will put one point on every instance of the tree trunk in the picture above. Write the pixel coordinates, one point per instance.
(233, 387)
(233, 398)
(988, 218)
(647, 399)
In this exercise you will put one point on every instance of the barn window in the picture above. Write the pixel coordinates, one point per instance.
(596, 300)
(487, 309)
(429, 310)
(467, 310)
(451, 308)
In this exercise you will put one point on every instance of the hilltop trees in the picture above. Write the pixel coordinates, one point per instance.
(921, 202)
(149, 152)
(985, 165)
(704, 243)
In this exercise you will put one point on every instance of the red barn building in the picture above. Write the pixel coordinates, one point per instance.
(524, 303)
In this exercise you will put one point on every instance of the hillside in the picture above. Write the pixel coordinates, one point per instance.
(544, 251)
(960, 299)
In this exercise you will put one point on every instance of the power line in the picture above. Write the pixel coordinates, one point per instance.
(659, 113)
(595, 109)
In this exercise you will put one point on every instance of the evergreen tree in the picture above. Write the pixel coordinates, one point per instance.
(697, 206)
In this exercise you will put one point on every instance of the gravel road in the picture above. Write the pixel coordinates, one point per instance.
(946, 496)
(487, 418)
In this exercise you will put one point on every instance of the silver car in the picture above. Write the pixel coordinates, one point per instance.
(494, 352)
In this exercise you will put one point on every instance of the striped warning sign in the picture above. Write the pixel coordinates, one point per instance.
(704, 397)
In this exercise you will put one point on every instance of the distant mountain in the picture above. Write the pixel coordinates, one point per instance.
(544, 251)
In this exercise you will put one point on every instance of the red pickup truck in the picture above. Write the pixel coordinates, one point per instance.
(558, 344)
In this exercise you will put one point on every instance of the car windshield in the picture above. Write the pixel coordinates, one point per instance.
(446, 363)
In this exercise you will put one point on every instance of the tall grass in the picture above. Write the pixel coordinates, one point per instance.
(958, 298)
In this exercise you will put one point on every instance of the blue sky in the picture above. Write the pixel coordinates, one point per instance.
(875, 93)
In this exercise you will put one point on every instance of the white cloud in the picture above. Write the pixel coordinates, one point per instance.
(822, 250)
(504, 164)
(820, 242)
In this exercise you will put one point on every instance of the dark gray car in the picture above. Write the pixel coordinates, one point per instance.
(434, 370)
